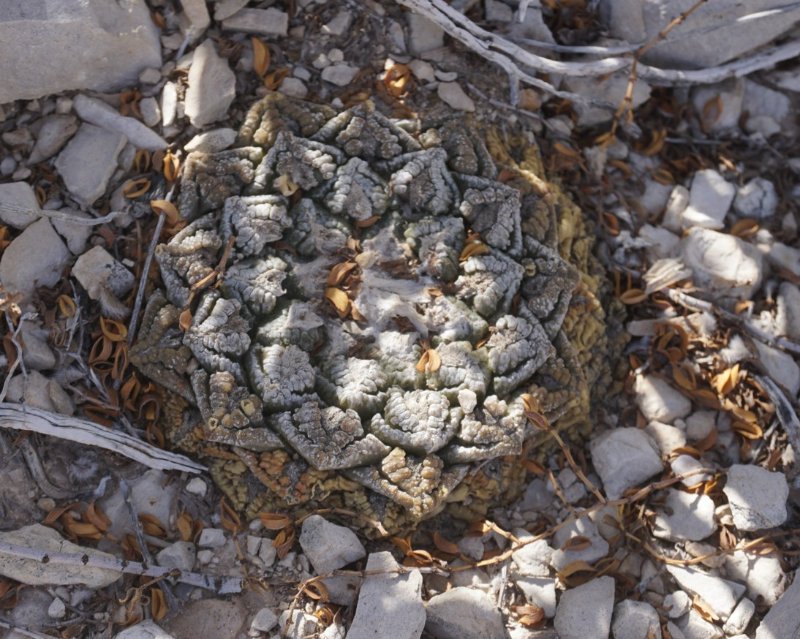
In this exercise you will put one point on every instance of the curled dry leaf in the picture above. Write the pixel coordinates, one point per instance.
(158, 604)
(445, 545)
(284, 541)
(185, 319)
(142, 161)
(744, 228)
(274, 80)
(530, 616)
(66, 306)
(229, 518)
(171, 167)
(727, 380)
(135, 188)
(633, 296)
(748, 430)
(576, 543)
(151, 525)
(339, 299)
(430, 362)
(95, 515)
(316, 590)
(185, 526)
(397, 80)
(274, 521)
(113, 330)
(473, 248)
(169, 210)
(339, 272)
(363, 224)
(261, 57)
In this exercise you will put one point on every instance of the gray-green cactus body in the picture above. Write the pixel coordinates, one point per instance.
(364, 297)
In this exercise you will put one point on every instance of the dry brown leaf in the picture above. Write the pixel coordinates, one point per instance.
(744, 228)
(473, 248)
(657, 141)
(66, 306)
(169, 210)
(727, 380)
(430, 362)
(142, 161)
(712, 111)
(185, 526)
(534, 467)
(134, 188)
(748, 430)
(284, 541)
(229, 517)
(445, 545)
(568, 151)
(185, 319)
(113, 330)
(705, 610)
(274, 521)
(339, 272)
(575, 567)
(95, 515)
(633, 296)
(171, 167)
(530, 615)
(397, 80)
(317, 591)
(364, 224)
(576, 543)
(158, 604)
(339, 299)
(274, 80)
(684, 377)
(151, 525)
(261, 57)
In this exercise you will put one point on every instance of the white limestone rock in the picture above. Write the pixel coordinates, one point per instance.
(757, 497)
(586, 611)
(92, 44)
(19, 207)
(782, 620)
(756, 199)
(329, 546)
(54, 131)
(463, 613)
(659, 401)
(720, 594)
(34, 258)
(624, 457)
(388, 600)
(88, 161)
(100, 114)
(212, 86)
(265, 22)
(684, 516)
(710, 197)
(723, 264)
(635, 620)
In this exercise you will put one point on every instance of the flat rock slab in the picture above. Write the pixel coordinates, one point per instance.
(464, 613)
(389, 601)
(89, 160)
(585, 611)
(634, 620)
(757, 497)
(722, 263)
(92, 44)
(713, 34)
(212, 86)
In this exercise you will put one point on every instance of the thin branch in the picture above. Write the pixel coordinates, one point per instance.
(21, 417)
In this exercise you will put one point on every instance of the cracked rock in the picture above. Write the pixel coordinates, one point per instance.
(19, 207)
(757, 497)
(757, 199)
(710, 197)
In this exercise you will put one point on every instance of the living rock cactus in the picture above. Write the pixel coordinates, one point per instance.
(373, 309)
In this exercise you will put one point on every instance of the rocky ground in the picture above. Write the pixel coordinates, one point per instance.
(676, 519)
